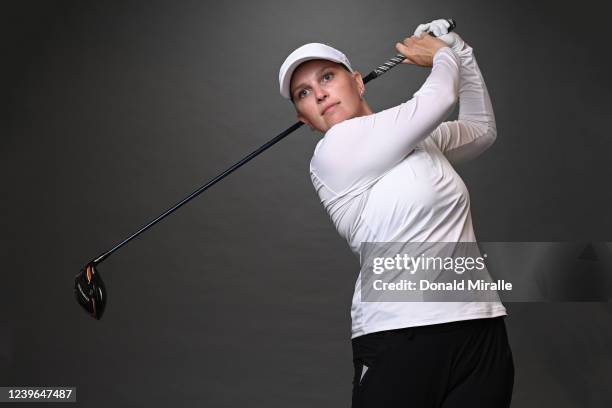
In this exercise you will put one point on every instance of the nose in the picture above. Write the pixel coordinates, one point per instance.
(321, 94)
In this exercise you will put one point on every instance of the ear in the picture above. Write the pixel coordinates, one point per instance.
(359, 81)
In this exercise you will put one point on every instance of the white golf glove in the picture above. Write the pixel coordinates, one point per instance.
(440, 29)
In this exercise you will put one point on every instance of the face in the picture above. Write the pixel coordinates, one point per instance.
(325, 93)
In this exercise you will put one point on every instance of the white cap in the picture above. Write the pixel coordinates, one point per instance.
(305, 53)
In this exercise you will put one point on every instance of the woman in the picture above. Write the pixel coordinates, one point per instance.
(388, 177)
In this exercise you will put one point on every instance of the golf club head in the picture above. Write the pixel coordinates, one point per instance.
(90, 291)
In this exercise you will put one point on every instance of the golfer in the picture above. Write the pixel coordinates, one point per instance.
(389, 177)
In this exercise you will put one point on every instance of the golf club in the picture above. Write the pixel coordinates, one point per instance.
(89, 288)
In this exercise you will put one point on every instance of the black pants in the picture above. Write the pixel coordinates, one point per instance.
(459, 364)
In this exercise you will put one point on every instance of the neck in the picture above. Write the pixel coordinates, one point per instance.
(365, 109)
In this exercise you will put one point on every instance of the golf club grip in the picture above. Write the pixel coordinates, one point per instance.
(398, 58)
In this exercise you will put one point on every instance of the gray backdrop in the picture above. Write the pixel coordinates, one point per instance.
(115, 110)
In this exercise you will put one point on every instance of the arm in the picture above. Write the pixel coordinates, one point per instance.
(475, 130)
(358, 151)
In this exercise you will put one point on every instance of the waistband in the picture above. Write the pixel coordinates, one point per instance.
(470, 324)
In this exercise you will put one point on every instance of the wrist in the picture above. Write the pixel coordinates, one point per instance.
(442, 50)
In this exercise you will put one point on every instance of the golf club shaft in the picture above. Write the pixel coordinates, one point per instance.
(392, 62)
(197, 192)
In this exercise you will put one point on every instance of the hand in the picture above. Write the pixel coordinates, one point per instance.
(420, 50)
(437, 27)
(440, 29)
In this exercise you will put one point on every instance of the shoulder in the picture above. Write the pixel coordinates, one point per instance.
(339, 138)
(334, 146)
(346, 138)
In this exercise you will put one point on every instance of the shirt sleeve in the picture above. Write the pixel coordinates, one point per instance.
(357, 152)
(475, 130)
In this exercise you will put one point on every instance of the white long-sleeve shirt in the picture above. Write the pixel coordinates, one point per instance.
(388, 177)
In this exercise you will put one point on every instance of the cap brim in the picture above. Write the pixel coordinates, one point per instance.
(286, 82)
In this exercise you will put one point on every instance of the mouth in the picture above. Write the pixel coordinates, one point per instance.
(330, 108)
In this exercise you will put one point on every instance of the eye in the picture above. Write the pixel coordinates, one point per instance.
(302, 93)
(328, 76)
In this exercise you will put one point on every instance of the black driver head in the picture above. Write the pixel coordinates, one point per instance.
(90, 291)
